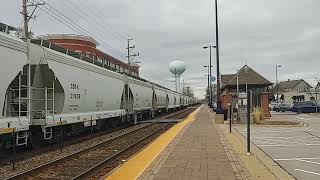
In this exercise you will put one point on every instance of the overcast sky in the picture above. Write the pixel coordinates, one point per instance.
(262, 33)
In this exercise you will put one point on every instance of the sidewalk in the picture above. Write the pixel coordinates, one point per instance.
(197, 152)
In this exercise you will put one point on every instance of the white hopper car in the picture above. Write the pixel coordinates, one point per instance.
(42, 88)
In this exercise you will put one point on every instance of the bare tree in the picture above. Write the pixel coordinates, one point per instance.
(314, 92)
(214, 93)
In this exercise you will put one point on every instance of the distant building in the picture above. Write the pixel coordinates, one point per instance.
(7, 28)
(250, 80)
(291, 91)
(87, 46)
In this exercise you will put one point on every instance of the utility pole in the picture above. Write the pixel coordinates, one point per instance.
(27, 17)
(130, 56)
(130, 59)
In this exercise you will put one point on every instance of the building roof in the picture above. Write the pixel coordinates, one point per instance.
(225, 78)
(69, 36)
(318, 86)
(246, 76)
(290, 84)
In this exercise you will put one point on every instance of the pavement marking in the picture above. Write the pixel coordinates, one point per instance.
(310, 172)
(272, 137)
(274, 141)
(312, 162)
(285, 145)
(310, 138)
(274, 131)
(292, 159)
(301, 159)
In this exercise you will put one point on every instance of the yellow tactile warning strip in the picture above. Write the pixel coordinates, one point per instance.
(137, 164)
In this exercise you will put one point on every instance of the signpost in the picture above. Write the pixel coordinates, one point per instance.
(248, 120)
(230, 107)
(14, 148)
(61, 134)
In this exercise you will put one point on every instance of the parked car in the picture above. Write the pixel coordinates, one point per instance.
(296, 106)
(272, 105)
(305, 107)
(283, 107)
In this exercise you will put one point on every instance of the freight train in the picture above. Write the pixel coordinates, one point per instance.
(45, 87)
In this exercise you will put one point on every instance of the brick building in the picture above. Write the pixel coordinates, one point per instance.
(87, 46)
(249, 78)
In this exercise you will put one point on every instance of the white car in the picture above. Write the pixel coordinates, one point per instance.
(272, 105)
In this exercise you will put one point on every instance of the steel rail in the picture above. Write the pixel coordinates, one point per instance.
(119, 153)
(33, 170)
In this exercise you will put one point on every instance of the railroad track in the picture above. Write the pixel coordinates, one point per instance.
(83, 163)
(6, 157)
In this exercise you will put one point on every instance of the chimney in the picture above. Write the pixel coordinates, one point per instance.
(288, 79)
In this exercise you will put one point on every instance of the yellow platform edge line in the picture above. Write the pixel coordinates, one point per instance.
(135, 166)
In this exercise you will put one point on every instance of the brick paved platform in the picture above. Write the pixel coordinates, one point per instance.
(196, 153)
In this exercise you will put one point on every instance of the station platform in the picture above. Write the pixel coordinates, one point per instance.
(192, 149)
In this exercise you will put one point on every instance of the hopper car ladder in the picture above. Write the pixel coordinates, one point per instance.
(19, 96)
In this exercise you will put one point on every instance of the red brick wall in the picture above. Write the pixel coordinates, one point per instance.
(265, 104)
(85, 46)
(225, 98)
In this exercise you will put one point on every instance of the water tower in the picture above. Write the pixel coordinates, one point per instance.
(177, 68)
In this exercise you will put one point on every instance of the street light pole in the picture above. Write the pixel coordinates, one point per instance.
(277, 82)
(219, 108)
(238, 82)
(210, 74)
(209, 90)
(209, 86)
(210, 80)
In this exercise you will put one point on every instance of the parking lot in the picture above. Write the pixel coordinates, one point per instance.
(296, 149)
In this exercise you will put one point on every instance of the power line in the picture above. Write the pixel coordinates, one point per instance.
(96, 14)
(67, 24)
(77, 28)
(71, 21)
(76, 9)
